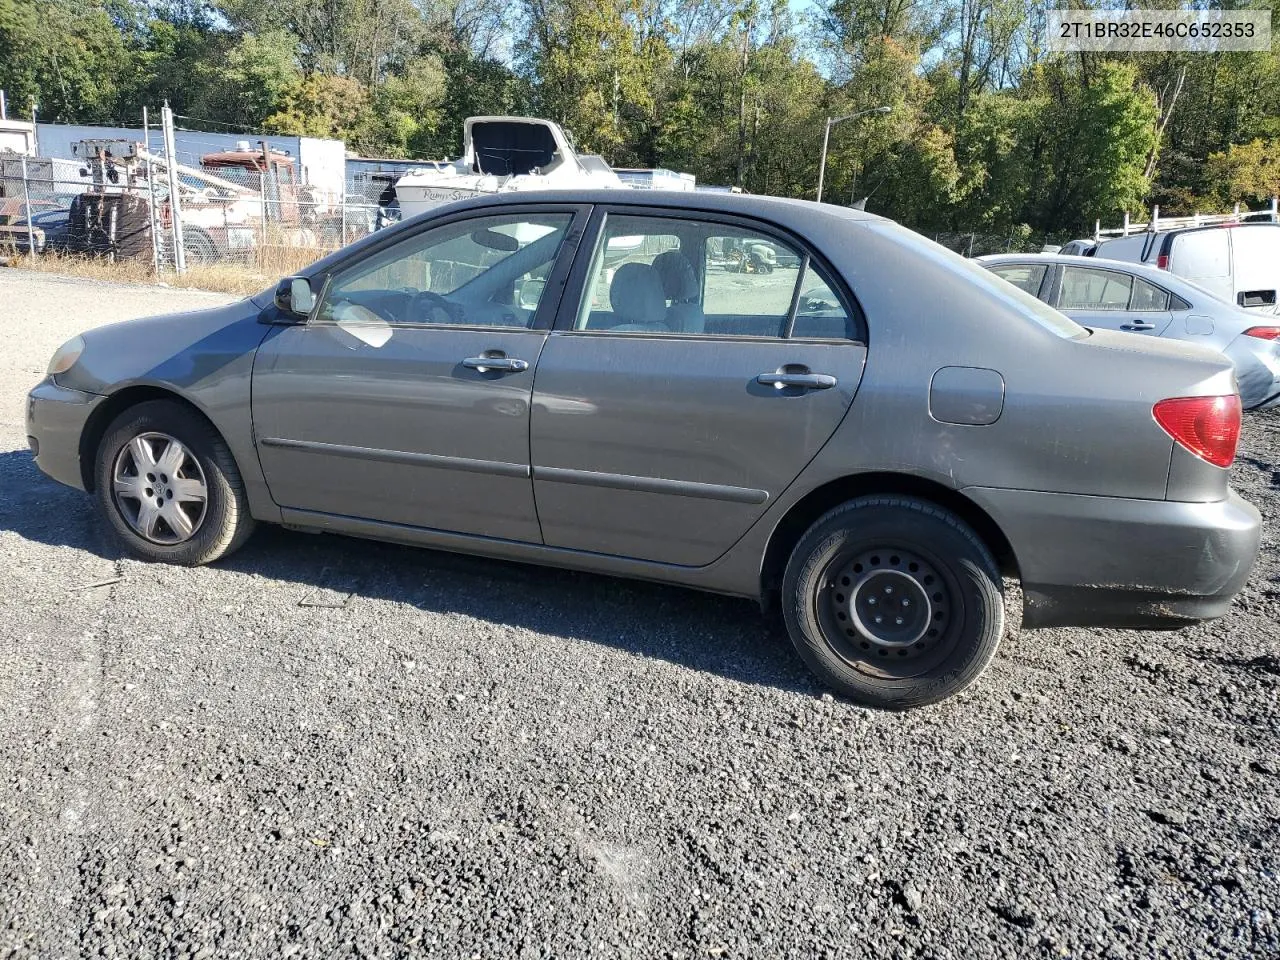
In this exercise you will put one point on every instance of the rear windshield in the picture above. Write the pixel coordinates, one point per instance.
(1024, 303)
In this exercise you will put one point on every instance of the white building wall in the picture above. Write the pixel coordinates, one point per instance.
(56, 140)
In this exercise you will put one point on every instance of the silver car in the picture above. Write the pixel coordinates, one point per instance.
(870, 441)
(1139, 299)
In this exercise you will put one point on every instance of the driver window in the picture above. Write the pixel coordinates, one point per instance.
(486, 271)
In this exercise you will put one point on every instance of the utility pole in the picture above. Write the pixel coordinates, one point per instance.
(826, 138)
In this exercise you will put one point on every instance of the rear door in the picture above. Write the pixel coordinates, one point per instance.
(689, 380)
(1255, 260)
(1204, 257)
(1097, 297)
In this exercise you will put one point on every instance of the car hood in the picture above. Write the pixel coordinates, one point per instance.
(179, 349)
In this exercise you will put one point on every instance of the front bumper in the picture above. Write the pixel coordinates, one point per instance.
(1112, 562)
(56, 417)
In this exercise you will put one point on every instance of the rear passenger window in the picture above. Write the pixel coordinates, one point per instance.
(1087, 289)
(1147, 296)
(749, 277)
(656, 275)
(819, 312)
(1024, 276)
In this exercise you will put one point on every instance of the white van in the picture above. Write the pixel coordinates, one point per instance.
(1238, 262)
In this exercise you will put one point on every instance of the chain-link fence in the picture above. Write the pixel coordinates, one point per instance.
(1010, 241)
(241, 207)
(251, 206)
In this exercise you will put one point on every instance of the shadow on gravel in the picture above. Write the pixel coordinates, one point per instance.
(39, 509)
(720, 635)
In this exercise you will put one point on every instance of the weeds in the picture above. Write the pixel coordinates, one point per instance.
(269, 264)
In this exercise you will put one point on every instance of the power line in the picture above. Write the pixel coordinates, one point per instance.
(219, 123)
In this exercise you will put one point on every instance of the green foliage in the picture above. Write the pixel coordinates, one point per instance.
(1247, 171)
(986, 133)
(64, 55)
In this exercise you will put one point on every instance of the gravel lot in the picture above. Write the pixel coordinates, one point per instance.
(326, 748)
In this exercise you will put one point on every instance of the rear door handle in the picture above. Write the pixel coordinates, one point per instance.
(1137, 326)
(807, 381)
(496, 364)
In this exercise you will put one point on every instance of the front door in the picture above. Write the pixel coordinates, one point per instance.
(405, 398)
(1113, 300)
(702, 366)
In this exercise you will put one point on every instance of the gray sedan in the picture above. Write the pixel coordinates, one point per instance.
(869, 440)
(1136, 298)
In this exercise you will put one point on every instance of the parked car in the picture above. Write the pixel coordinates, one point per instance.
(47, 228)
(873, 462)
(1143, 300)
(1074, 248)
(1237, 262)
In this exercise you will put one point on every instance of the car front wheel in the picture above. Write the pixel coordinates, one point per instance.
(169, 487)
(893, 601)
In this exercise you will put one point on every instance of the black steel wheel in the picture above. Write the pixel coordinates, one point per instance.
(893, 601)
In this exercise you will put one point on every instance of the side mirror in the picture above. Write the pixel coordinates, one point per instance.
(529, 292)
(295, 297)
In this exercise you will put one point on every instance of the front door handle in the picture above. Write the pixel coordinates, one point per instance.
(806, 381)
(496, 364)
(1137, 326)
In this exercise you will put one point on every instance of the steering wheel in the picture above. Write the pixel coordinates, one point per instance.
(425, 304)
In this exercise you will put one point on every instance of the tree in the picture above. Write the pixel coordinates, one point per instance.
(1247, 171)
(64, 55)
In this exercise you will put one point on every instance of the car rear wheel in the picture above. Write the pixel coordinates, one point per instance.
(169, 487)
(893, 601)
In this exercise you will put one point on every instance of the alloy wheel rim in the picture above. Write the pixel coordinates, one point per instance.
(159, 489)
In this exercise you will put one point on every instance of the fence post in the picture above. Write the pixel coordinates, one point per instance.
(343, 241)
(151, 193)
(970, 253)
(26, 199)
(262, 192)
(175, 205)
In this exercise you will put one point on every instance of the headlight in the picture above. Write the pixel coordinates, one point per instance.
(65, 357)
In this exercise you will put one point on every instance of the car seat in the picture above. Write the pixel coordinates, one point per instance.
(637, 299)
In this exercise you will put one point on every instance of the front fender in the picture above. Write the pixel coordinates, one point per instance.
(204, 358)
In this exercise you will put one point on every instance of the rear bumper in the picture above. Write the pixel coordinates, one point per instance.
(56, 417)
(1111, 562)
(1257, 364)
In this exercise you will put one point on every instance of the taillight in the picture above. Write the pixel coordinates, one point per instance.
(1162, 261)
(1209, 427)
(1263, 333)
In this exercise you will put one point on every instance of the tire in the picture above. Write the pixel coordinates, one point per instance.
(198, 247)
(912, 563)
(218, 525)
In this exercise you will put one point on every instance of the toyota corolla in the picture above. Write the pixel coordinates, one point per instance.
(873, 434)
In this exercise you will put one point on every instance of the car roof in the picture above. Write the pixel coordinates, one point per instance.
(748, 204)
(1154, 274)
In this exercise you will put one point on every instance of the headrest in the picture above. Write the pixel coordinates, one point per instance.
(679, 282)
(636, 294)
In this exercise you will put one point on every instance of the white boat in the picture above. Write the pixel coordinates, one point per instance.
(502, 154)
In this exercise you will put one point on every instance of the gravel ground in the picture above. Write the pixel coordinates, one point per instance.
(326, 748)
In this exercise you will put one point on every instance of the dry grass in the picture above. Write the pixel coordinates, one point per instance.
(270, 263)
